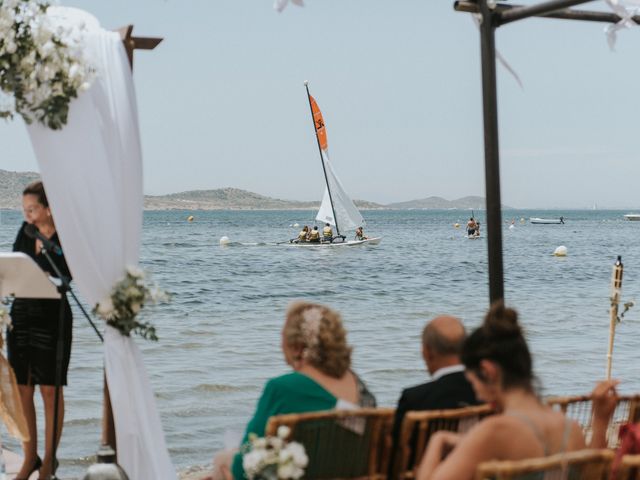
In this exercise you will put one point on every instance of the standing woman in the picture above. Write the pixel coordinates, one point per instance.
(32, 339)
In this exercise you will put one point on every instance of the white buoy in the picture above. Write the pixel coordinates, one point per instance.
(522, 220)
(190, 218)
(561, 251)
(224, 240)
(512, 227)
(456, 225)
(296, 225)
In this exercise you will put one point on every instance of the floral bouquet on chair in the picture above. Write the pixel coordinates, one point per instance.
(273, 458)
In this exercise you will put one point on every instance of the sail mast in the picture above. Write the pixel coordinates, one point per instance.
(324, 169)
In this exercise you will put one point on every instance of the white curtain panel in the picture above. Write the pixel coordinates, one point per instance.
(92, 171)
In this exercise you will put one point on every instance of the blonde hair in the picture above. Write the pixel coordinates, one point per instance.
(319, 332)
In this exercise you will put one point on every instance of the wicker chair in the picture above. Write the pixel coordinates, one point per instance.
(578, 408)
(341, 443)
(629, 468)
(579, 465)
(418, 426)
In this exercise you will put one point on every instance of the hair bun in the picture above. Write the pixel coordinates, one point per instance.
(501, 322)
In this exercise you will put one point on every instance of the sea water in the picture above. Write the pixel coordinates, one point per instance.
(220, 335)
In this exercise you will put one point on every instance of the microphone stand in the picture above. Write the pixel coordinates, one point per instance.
(63, 289)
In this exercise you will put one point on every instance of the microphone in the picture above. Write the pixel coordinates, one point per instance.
(32, 231)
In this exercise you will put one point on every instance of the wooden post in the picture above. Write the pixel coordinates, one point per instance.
(131, 43)
(616, 289)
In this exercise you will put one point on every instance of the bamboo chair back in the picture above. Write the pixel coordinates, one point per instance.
(418, 426)
(341, 443)
(629, 468)
(579, 465)
(579, 408)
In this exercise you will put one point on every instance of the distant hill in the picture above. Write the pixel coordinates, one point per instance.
(231, 199)
(11, 186)
(439, 203)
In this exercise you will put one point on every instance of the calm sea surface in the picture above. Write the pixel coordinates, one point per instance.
(219, 337)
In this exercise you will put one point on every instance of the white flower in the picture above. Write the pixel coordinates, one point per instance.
(11, 47)
(252, 462)
(135, 307)
(105, 308)
(135, 272)
(298, 453)
(283, 432)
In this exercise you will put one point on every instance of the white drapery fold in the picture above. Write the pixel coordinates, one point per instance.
(92, 171)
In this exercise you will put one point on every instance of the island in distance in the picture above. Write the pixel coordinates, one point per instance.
(12, 184)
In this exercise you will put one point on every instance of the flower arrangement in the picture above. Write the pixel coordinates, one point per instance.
(42, 67)
(273, 458)
(128, 297)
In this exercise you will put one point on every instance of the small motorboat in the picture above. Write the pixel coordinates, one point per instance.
(633, 217)
(547, 221)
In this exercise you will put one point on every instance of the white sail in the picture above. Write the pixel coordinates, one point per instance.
(346, 212)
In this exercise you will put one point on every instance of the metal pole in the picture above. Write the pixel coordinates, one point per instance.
(470, 6)
(324, 169)
(491, 151)
(532, 10)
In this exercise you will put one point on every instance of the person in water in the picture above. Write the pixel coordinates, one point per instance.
(360, 234)
(477, 233)
(327, 233)
(471, 227)
(314, 235)
(304, 234)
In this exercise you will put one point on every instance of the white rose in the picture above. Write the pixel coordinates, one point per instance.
(252, 462)
(135, 307)
(286, 471)
(298, 453)
(135, 272)
(105, 308)
(11, 47)
(283, 432)
(260, 443)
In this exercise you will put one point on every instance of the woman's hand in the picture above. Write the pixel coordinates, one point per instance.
(439, 446)
(604, 399)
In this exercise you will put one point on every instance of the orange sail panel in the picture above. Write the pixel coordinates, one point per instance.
(321, 132)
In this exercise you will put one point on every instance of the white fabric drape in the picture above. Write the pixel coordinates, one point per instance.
(92, 171)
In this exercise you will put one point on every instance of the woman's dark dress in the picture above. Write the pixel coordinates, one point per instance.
(31, 342)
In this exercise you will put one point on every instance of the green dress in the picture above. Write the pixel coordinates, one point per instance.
(290, 393)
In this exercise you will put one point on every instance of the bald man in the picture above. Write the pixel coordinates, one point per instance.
(442, 340)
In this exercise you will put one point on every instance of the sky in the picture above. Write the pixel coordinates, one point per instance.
(222, 102)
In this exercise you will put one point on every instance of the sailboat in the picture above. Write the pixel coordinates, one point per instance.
(337, 208)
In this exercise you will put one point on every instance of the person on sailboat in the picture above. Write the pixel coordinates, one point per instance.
(303, 235)
(360, 234)
(327, 233)
(314, 235)
(471, 227)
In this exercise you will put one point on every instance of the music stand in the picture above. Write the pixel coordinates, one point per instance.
(21, 277)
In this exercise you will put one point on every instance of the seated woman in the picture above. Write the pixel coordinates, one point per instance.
(314, 344)
(499, 366)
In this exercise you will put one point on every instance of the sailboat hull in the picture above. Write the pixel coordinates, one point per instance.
(350, 243)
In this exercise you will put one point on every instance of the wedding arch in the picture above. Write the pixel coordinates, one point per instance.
(92, 169)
